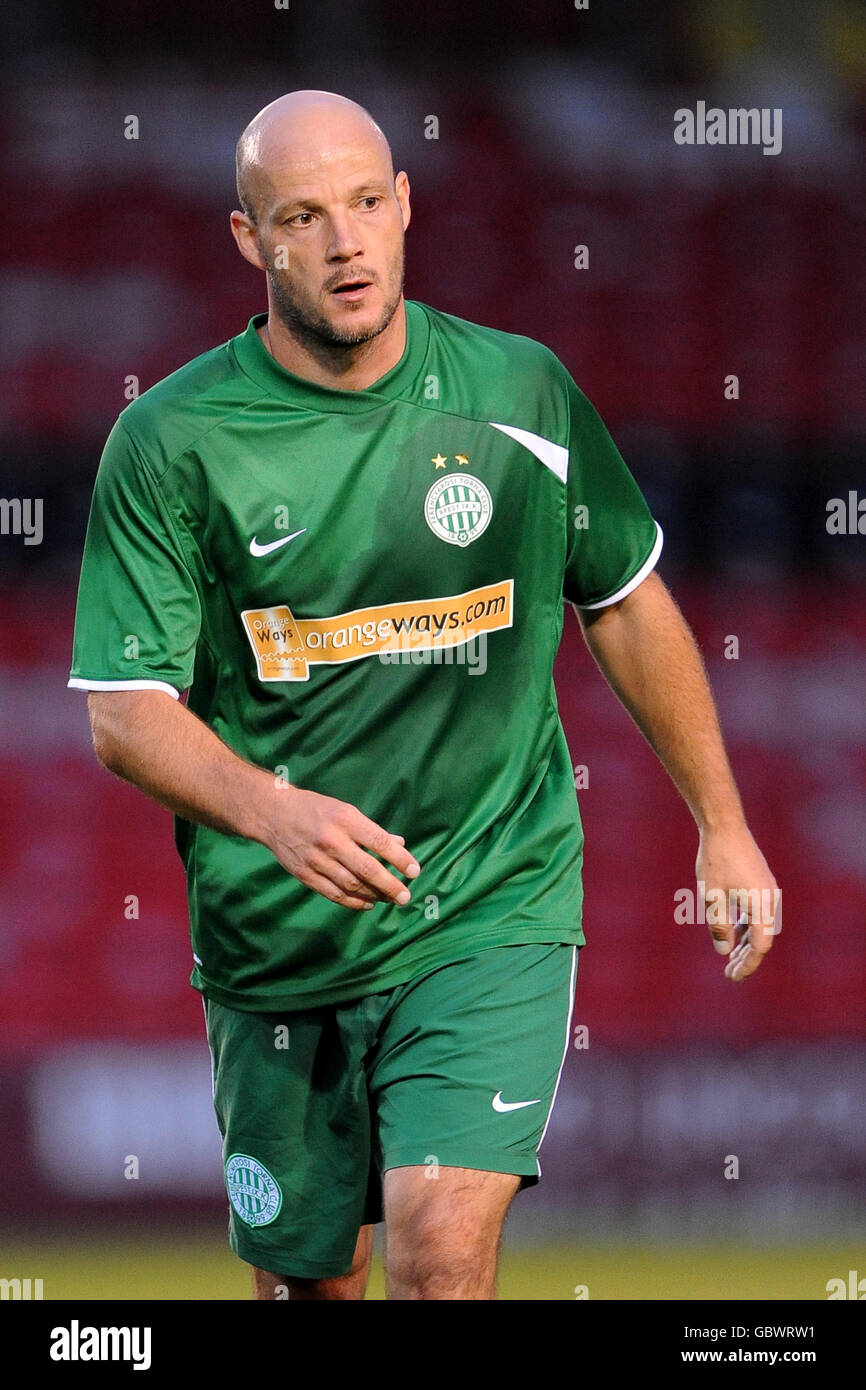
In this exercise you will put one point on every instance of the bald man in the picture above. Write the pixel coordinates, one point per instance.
(346, 534)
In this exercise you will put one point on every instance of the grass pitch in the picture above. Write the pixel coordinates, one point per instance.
(202, 1268)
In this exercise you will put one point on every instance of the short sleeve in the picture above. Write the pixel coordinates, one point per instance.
(138, 615)
(613, 542)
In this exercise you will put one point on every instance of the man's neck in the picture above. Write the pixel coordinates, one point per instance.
(352, 368)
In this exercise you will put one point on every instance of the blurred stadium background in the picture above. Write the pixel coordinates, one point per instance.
(555, 129)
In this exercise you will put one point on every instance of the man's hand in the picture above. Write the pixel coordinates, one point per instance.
(741, 899)
(156, 743)
(322, 842)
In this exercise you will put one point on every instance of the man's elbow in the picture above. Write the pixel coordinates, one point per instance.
(124, 722)
(106, 744)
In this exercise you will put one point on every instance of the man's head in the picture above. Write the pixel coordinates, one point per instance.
(322, 210)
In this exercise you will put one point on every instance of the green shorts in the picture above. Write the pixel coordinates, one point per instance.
(457, 1068)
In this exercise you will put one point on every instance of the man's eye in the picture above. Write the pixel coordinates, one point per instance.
(297, 219)
(372, 199)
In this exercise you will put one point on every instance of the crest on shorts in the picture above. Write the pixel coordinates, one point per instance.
(458, 508)
(253, 1191)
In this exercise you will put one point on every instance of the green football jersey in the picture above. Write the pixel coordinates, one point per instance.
(362, 592)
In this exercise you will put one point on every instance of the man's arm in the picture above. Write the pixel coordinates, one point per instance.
(155, 742)
(651, 662)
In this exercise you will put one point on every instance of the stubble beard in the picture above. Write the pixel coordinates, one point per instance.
(312, 328)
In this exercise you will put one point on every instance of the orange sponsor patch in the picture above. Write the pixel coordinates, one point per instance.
(286, 646)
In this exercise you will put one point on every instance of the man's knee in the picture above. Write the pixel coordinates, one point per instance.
(433, 1264)
(443, 1238)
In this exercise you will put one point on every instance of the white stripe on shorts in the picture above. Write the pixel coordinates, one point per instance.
(564, 1052)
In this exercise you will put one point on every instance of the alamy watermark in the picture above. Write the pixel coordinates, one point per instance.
(22, 516)
(711, 907)
(420, 648)
(846, 516)
(739, 125)
(20, 1290)
(77, 1343)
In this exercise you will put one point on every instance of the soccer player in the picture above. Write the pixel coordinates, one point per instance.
(346, 535)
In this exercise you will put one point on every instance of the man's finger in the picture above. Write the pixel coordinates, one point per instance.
(723, 939)
(322, 884)
(371, 871)
(723, 935)
(743, 962)
(355, 873)
(391, 848)
(349, 882)
(746, 957)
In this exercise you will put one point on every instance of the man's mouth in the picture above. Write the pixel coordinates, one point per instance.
(352, 290)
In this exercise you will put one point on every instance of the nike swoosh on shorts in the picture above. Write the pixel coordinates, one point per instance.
(502, 1105)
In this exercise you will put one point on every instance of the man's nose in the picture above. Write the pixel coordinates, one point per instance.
(344, 241)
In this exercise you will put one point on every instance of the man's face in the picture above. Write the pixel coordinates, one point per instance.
(330, 232)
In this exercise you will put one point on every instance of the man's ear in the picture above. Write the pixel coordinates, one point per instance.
(246, 235)
(401, 189)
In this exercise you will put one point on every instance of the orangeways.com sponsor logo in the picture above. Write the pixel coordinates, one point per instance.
(285, 647)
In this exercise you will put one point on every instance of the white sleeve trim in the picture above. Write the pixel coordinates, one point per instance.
(76, 683)
(648, 565)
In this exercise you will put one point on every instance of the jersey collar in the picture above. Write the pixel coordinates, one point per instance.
(254, 359)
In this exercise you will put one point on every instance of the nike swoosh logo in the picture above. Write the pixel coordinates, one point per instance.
(502, 1105)
(256, 549)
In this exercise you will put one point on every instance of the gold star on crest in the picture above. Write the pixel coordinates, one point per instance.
(462, 460)
(440, 460)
